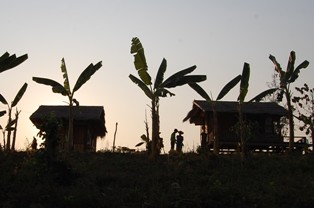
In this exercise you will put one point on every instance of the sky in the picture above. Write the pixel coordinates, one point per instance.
(216, 36)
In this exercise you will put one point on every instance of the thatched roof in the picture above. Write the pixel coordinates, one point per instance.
(92, 115)
(266, 108)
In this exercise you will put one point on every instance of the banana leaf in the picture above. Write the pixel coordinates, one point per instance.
(10, 124)
(2, 113)
(144, 138)
(228, 87)
(8, 62)
(200, 91)
(296, 72)
(178, 75)
(56, 87)
(66, 83)
(290, 66)
(4, 57)
(142, 85)
(3, 100)
(139, 144)
(244, 84)
(86, 75)
(182, 80)
(277, 65)
(163, 93)
(140, 61)
(19, 95)
(263, 94)
(160, 73)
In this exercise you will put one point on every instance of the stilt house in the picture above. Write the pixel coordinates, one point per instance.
(263, 119)
(88, 124)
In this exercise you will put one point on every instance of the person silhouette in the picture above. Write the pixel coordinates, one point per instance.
(203, 138)
(34, 144)
(173, 139)
(179, 141)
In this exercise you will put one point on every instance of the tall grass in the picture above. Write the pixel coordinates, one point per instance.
(179, 180)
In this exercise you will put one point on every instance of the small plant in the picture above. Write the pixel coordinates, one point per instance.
(49, 132)
(12, 123)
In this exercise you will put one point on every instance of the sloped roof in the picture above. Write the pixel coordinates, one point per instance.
(91, 114)
(266, 108)
(247, 108)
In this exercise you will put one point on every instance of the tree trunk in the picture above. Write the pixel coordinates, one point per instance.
(291, 122)
(69, 142)
(155, 127)
(242, 134)
(312, 135)
(216, 134)
(15, 129)
(9, 130)
(114, 138)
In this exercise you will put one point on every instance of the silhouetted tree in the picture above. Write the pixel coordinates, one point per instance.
(7, 62)
(65, 90)
(286, 79)
(160, 87)
(305, 109)
(12, 123)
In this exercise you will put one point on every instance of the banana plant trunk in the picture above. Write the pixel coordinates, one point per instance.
(9, 130)
(242, 134)
(155, 127)
(69, 142)
(291, 122)
(216, 133)
(312, 135)
(15, 130)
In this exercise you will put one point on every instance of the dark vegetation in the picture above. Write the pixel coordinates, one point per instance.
(107, 179)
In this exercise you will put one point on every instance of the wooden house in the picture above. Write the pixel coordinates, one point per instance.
(88, 124)
(262, 117)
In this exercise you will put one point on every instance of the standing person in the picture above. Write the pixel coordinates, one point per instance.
(160, 143)
(34, 144)
(203, 138)
(180, 141)
(173, 139)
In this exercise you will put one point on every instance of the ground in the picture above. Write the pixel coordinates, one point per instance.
(107, 179)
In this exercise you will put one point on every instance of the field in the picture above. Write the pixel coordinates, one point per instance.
(179, 180)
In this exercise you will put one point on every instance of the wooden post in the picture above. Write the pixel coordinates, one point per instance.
(114, 138)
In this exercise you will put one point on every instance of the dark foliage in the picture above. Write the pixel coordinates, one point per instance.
(176, 180)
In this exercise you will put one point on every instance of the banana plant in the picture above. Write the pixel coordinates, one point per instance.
(224, 91)
(244, 86)
(8, 61)
(286, 79)
(65, 90)
(160, 87)
(12, 123)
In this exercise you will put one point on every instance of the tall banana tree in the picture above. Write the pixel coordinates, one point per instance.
(224, 91)
(65, 90)
(8, 61)
(12, 123)
(160, 87)
(286, 79)
(244, 86)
